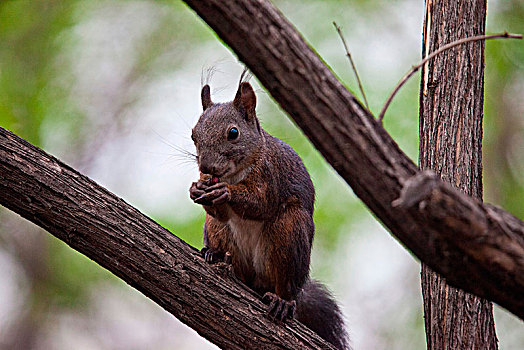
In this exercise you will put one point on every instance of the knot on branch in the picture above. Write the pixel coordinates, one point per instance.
(461, 215)
(416, 189)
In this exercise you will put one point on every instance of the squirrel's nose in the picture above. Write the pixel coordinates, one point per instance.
(207, 167)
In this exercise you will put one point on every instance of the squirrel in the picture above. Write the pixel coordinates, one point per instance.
(258, 198)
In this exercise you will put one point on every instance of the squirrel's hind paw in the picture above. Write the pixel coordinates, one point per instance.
(279, 308)
(212, 256)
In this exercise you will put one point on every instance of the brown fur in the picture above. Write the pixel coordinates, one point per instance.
(286, 233)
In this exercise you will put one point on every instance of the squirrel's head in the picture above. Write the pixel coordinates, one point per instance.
(228, 137)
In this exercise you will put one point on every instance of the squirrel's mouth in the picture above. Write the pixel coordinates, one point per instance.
(220, 175)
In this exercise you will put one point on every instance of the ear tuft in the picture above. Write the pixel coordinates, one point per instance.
(246, 98)
(206, 97)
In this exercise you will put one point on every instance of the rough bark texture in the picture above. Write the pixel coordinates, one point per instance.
(472, 229)
(359, 148)
(117, 236)
(451, 104)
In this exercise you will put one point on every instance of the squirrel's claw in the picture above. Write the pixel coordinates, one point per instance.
(199, 188)
(207, 192)
(211, 256)
(219, 185)
(275, 310)
(195, 192)
(217, 196)
(289, 309)
(279, 308)
(224, 197)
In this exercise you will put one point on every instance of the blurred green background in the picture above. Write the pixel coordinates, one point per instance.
(112, 88)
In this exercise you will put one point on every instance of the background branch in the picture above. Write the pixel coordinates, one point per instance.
(455, 153)
(348, 54)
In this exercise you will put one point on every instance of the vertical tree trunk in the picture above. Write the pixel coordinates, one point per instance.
(451, 101)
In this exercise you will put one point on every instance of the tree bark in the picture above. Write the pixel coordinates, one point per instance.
(117, 236)
(362, 152)
(451, 104)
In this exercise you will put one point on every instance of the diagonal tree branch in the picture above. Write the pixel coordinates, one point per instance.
(364, 154)
(117, 236)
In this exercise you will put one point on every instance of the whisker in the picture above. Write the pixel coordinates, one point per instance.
(175, 147)
(181, 163)
(181, 159)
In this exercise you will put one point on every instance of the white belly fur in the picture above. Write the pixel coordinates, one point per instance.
(248, 236)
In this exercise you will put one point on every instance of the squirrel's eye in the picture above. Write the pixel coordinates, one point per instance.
(232, 134)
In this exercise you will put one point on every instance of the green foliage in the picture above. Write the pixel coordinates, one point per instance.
(503, 110)
(190, 231)
(70, 272)
(28, 34)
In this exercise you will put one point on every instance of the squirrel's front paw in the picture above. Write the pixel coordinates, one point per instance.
(212, 195)
(199, 188)
(279, 308)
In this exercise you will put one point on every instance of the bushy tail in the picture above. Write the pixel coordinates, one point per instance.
(317, 309)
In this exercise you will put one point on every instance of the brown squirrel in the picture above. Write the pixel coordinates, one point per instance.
(258, 199)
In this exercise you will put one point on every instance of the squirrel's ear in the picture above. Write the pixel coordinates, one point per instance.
(206, 97)
(246, 98)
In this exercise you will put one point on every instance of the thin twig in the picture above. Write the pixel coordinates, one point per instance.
(414, 69)
(352, 63)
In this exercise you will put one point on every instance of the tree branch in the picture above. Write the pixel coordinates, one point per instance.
(348, 54)
(117, 236)
(365, 155)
